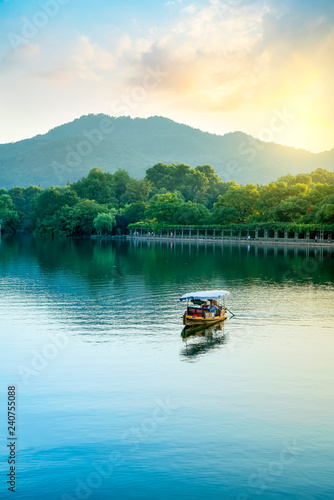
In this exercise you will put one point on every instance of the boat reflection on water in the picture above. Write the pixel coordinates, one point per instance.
(202, 341)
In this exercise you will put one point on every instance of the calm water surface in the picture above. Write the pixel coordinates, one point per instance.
(113, 404)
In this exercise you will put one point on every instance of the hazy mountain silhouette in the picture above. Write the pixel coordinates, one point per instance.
(69, 151)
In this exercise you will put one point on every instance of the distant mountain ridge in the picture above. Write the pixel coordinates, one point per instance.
(69, 151)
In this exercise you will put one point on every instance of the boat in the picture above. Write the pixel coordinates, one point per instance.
(204, 310)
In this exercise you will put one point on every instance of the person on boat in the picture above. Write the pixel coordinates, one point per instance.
(205, 305)
(214, 308)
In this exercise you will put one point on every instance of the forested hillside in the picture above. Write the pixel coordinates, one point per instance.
(68, 152)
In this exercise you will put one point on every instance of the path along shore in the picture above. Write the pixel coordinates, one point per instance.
(243, 241)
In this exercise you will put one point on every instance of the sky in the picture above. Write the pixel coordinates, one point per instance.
(264, 67)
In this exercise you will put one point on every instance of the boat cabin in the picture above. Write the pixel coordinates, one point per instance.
(205, 308)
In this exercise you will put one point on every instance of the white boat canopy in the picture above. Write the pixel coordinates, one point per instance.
(206, 295)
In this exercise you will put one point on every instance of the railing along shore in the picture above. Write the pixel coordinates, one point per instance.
(316, 238)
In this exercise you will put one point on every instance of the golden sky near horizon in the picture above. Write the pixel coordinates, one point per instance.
(262, 67)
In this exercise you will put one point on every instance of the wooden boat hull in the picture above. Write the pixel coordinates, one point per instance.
(200, 330)
(191, 321)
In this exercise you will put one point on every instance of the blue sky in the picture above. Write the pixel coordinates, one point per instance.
(217, 65)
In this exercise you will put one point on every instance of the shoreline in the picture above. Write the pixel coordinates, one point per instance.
(260, 242)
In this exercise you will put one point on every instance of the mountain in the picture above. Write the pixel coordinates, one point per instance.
(69, 151)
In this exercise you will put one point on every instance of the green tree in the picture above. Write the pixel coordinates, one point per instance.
(23, 199)
(270, 196)
(156, 174)
(62, 222)
(303, 179)
(225, 215)
(10, 217)
(291, 210)
(163, 207)
(98, 186)
(104, 223)
(194, 186)
(6, 203)
(135, 212)
(274, 193)
(288, 179)
(192, 183)
(121, 178)
(136, 191)
(319, 192)
(322, 176)
(19, 200)
(215, 187)
(192, 214)
(82, 217)
(47, 204)
(325, 210)
(241, 204)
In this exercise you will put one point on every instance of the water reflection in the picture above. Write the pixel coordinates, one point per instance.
(202, 341)
(115, 260)
(118, 304)
(94, 287)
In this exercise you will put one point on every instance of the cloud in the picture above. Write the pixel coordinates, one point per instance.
(90, 61)
(252, 56)
(219, 58)
(18, 59)
(54, 76)
(243, 56)
(207, 57)
(191, 8)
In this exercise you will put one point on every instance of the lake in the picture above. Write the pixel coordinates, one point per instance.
(111, 402)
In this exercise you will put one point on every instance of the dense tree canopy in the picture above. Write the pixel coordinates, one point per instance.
(98, 186)
(238, 204)
(9, 215)
(200, 184)
(105, 203)
(104, 222)
(162, 207)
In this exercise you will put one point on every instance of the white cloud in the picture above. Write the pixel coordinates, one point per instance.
(190, 9)
(90, 60)
(224, 59)
(19, 59)
(29, 50)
